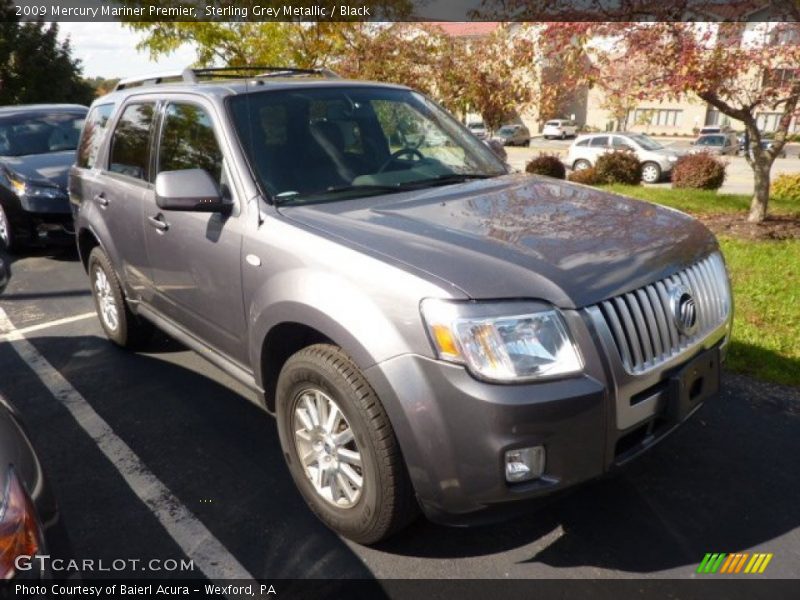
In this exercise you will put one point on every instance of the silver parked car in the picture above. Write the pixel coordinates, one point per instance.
(657, 161)
(515, 134)
(430, 330)
(721, 144)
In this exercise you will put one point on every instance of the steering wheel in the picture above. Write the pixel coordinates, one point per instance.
(398, 154)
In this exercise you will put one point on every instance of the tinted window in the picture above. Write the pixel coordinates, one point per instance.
(40, 133)
(583, 143)
(188, 141)
(93, 133)
(130, 145)
(601, 141)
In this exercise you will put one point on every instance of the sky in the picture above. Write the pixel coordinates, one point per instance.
(109, 50)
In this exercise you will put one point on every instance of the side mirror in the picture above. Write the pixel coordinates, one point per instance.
(191, 190)
(5, 271)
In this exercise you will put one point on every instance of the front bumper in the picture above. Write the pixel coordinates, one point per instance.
(454, 430)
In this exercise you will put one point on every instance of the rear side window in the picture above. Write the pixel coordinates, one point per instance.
(130, 145)
(188, 141)
(601, 141)
(94, 130)
(583, 143)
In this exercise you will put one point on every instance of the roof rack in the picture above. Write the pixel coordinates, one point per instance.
(190, 75)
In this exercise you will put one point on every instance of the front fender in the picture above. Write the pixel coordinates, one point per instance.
(369, 329)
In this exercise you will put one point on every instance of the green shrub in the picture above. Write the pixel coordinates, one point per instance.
(700, 171)
(547, 164)
(786, 187)
(618, 167)
(584, 176)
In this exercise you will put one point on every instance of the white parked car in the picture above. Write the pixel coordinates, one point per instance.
(478, 129)
(559, 128)
(656, 160)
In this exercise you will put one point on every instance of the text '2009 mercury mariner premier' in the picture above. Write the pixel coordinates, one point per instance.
(430, 330)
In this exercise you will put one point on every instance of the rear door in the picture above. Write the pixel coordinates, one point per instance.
(597, 146)
(196, 257)
(118, 191)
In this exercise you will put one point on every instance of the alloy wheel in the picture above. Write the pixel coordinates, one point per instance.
(5, 229)
(109, 311)
(327, 448)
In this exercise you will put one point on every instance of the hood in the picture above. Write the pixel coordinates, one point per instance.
(519, 236)
(52, 167)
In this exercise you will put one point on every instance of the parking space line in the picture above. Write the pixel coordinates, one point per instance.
(196, 541)
(47, 325)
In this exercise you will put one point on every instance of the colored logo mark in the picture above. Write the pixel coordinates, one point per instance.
(735, 563)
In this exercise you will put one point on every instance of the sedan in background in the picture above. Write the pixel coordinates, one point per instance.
(37, 148)
(721, 144)
(514, 135)
(657, 161)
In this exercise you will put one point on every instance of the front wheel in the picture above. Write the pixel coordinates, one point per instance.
(340, 447)
(651, 172)
(580, 165)
(120, 325)
(6, 235)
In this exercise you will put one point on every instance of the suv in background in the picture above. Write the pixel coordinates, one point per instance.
(559, 128)
(657, 161)
(430, 330)
(37, 148)
(478, 129)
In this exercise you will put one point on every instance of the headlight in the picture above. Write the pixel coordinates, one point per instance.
(32, 190)
(19, 527)
(672, 158)
(498, 342)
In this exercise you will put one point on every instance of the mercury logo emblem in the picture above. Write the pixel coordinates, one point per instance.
(684, 309)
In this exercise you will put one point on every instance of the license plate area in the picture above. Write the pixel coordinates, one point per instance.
(690, 386)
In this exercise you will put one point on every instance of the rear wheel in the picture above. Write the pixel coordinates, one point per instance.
(340, 447)
(120, 325)
(580, 165)
(651, 172)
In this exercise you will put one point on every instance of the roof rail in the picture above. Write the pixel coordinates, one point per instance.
(190, 75)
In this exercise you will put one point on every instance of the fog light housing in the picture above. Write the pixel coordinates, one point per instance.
(524, 464)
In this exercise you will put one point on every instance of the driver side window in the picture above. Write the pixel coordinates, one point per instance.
(188, 141)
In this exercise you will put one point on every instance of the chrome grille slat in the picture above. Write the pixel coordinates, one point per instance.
(641, 321)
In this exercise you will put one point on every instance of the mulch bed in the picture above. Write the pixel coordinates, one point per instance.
(775, 227)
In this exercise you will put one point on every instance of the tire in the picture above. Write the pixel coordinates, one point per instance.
(320, 376)
(651, 172)
(120, 325)
(581, 164)
(563, 135)
(7, 237)
(528, 144)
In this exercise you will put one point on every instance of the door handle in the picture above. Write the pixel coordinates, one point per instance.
(158, 222)
(101, 199)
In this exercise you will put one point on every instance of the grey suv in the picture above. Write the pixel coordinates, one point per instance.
(429, 330)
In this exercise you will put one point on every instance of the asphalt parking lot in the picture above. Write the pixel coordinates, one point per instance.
(199, 473)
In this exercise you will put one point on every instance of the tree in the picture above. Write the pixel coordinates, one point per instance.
(36, 67)
(741, 70)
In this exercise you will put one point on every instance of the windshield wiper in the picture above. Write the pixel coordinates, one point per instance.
(445, 180)
(321, 196)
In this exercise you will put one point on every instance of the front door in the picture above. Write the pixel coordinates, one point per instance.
(195, 257)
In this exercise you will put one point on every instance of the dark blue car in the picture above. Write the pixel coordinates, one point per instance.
(37, 148)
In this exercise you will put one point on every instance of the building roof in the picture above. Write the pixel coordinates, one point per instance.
(466, 28)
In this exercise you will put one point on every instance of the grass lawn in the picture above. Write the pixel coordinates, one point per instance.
(766, 284)
(699, 202)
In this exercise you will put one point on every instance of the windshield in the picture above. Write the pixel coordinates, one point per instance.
(322, 144)
(646, 142)
(711, 140)
(39, 133)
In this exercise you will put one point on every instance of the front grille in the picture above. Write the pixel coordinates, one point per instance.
(642, 324)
